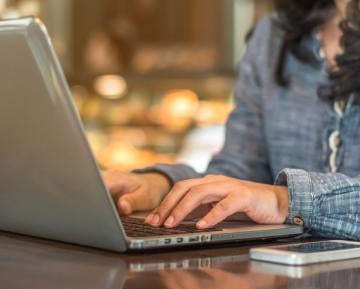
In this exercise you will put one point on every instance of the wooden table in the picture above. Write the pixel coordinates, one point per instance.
(33, 263)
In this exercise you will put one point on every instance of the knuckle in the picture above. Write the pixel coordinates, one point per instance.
(177, 213)
(246, 196)
(216, 177)
(111, 174)
(179, 186)
(106, 176)
(193, 192)
(224, 178)
(159, 210)
(163, 209)
(196, 196)
(223, 207)
(210, 176)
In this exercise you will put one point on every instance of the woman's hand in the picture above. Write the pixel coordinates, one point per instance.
(136, 192)
(265, 204)
(213, 278)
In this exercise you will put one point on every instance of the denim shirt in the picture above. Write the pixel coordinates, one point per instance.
(289, 136)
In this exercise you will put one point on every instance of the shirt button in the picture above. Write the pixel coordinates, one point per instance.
(341, 104)
(322, 53)
(339, 107)
(298, 221)
(337, 141)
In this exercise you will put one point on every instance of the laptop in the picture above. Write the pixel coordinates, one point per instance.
(50, 183)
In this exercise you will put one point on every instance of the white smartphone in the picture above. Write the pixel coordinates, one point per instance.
(307, 253)
(300, 272)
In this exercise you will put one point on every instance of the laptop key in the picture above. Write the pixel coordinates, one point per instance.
(135, 227)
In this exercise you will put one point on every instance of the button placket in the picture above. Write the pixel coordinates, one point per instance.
(339, 107)
(335, 136)
(334, 143)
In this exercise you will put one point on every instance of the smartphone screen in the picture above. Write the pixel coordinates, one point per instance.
(318, 247)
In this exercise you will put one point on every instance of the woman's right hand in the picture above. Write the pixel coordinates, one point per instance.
(136, 192)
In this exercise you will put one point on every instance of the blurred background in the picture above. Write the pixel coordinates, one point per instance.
(152, 79)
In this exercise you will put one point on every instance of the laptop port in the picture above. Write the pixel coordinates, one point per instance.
(205, 238)
(194, 239)
(179, 240)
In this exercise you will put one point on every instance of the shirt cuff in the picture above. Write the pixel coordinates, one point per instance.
(154, 170)
(174, 172)
(301, 196)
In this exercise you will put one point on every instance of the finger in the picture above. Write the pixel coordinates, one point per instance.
(178, 191)
(129, 203)
(194, 198)
(220, 212)
(116, 188)
(171, 280)
(189, 279)
(113, 182)
(118, 183)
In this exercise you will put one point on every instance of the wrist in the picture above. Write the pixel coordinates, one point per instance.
(158, 183)
(282, 194)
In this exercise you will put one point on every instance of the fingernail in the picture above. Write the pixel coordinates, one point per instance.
(169, 222)
(125, 206)
(201, 224)
(155, 220)
(149, 218)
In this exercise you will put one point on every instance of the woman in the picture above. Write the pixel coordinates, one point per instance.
(289, 155)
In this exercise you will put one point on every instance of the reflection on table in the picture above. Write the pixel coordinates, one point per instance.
(32, 263)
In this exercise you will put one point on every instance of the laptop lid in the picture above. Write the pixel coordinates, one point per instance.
(50, 185)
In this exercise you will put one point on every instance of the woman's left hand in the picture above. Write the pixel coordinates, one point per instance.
(264, 204)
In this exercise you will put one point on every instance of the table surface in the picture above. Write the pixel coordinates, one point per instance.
(34, 263)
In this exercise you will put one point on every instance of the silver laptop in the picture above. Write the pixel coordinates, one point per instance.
(50, 184)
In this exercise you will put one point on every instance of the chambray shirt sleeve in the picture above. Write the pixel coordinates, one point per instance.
(244, 153)
(328, 203)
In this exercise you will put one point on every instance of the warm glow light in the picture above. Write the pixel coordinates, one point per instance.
(125, 155)
(180, 103)
(10, 13)
(213, 112)
(118, 155)
(2, 6)
(29, 7)
(110, 86)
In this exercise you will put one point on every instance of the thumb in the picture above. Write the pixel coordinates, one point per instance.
(131, 202)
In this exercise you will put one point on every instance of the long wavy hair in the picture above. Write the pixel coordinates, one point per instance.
(346, 79)
(299, 18)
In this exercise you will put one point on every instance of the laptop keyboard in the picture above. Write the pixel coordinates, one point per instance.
(135, 227)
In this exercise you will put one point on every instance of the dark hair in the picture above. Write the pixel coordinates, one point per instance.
(346, 77)
(299, 18)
